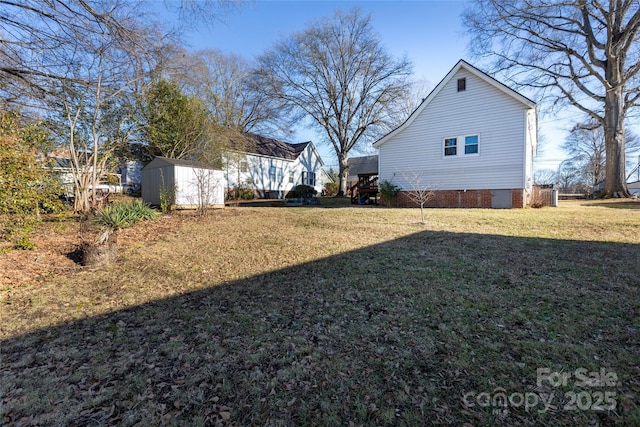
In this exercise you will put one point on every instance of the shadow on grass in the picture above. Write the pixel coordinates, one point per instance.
(626, 204)
(396, 333)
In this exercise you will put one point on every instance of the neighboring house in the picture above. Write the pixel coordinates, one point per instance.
(634, 188)
(131, 163)
(472, 141)
(196, 183)
(61, 168)
(365, 165)
(362, 181)
(325, 178)
(273, 168)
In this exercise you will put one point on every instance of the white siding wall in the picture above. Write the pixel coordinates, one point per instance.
(308, 162)
(499, 120)
(186, 180)
(131, 171)
(257, 173)
(194, 183)
(258, 168)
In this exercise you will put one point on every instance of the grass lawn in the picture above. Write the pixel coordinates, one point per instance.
(341, 316)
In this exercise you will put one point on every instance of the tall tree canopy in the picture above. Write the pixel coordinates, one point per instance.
(176, 125)
(581, 52)
(337, 73)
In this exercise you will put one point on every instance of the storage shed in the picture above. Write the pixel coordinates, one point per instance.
(196, 183)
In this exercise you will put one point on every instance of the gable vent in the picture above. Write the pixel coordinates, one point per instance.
(462, 84)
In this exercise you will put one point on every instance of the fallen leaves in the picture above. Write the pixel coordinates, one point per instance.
(286, 317)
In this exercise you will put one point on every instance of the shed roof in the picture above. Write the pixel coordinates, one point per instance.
(363, 165)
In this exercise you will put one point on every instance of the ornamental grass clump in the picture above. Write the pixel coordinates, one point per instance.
(124, 215)
(103, 251)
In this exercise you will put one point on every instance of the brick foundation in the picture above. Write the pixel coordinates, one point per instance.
(463, 199)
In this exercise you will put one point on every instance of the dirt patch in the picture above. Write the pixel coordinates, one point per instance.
(58, 246)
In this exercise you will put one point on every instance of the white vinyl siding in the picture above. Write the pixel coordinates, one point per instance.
(191, 183)
(268, 173)
(481, 109)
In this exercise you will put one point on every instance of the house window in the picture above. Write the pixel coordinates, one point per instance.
(450, 146)
(272, 173)
(291, 177)
(309, 178)
(243, 165)
(280, 175)
(462, 84)
(471, 144)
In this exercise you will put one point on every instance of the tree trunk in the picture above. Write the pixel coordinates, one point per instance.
(102, 252)
(343, 173)
(615, 179)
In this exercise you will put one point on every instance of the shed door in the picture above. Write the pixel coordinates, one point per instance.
(501, 199)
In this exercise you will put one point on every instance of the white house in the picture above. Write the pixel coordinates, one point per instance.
(196, 183)
(273, 168)
(472, 140)
(131, 163)
(634, 189)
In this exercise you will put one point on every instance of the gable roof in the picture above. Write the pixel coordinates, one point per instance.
(460, 65)
(264, 146)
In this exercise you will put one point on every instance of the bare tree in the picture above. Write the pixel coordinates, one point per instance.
(544, 177)
(420, 191)
(586, 148)
(582, 52)
(35, 32)
(79, 63)
(409, 101)
(337, 74)
(227, 85)
(206, 11)
(570, 178)
(207, 184)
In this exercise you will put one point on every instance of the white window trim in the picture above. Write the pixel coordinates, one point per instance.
(460, 146)
(444, 146)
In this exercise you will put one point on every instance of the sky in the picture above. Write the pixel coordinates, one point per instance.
(430, 33)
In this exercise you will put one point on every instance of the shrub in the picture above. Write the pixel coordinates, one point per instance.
(167, 197)
(245, 191)
(388, 191)
(124, 215)
(304, 191)
(331, 188)
(539, 197)
(27, 185)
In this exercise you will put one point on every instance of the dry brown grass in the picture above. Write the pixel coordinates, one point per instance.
(299, 316)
